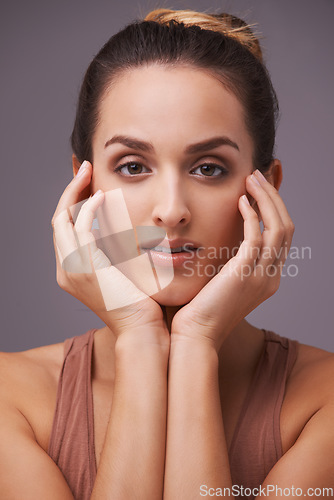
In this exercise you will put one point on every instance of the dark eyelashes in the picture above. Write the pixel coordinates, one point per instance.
(223, 171)
(127, 164)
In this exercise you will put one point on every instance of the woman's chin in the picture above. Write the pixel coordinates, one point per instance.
(176, 295)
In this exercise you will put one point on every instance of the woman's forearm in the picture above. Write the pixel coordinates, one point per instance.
(133, 456)
(196, 451)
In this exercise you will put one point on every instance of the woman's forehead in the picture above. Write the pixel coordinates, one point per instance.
(164, 85)
(175, 100)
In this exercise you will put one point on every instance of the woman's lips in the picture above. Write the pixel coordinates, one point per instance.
(171, 259)
(173, 252)
(176, 256)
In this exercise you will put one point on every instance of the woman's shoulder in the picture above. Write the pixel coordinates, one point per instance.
(310, 373)
(33, 365)
(40, 364)
(309, 388)
(314, 372)
(312, 363)
(29, 382)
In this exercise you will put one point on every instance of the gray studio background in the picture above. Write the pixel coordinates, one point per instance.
(45, 49)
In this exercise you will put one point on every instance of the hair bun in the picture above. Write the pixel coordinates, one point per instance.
(224, 23)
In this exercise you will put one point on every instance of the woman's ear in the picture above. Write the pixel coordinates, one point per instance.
(275, 174)
(87, 191)
(75, 165)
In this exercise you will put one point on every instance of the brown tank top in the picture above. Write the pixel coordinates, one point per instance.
(256, 444)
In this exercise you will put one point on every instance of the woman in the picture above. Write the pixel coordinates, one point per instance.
(178, 396)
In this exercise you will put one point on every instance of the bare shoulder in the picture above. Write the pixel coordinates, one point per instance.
(29, 381)
(28, 385)
(309, 388)
(39, 365)
(314, 369)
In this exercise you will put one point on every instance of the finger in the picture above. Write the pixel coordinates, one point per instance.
(274, 229)
(92, 257)
(116, 236)
(284, 214)
(250, 247)
(83, 224)
(279, 203)
(71, 194)
(65, 240)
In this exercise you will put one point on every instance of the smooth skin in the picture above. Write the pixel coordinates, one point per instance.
(201, 356)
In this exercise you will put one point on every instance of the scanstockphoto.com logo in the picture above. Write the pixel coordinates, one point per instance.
(265, 491)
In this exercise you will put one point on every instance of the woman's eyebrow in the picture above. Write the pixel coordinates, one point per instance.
(199, 147)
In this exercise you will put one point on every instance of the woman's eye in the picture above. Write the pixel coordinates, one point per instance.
(131, 168)
(210, 170)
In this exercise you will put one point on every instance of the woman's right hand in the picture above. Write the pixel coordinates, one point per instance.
(90, 276)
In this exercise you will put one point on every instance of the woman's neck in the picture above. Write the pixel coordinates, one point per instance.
(169, 313)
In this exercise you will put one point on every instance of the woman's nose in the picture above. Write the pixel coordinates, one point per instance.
(171, 208)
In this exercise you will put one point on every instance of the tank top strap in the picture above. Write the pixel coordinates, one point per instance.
(256, 444)
(71, 444)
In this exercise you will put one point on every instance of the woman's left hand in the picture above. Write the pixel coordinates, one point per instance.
(247, 279)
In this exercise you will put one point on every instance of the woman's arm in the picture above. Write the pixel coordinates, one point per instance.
(196, 451)
(196, 445)
(133, 456)
(195, 429)
(132, 461)
(26, 470)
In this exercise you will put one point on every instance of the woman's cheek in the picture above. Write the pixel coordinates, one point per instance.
(231, 231)
(138, 205)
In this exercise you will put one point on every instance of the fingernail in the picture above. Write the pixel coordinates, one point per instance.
(245, 199)
(254, 179)
(83, 168)
(260, 175)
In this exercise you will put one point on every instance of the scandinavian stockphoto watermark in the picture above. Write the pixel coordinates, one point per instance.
(208, 261)
(265, 491)
(122, 256)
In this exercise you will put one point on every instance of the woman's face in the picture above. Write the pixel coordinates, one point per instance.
(190, 192)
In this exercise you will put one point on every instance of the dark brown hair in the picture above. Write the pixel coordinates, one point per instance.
(232, 54)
